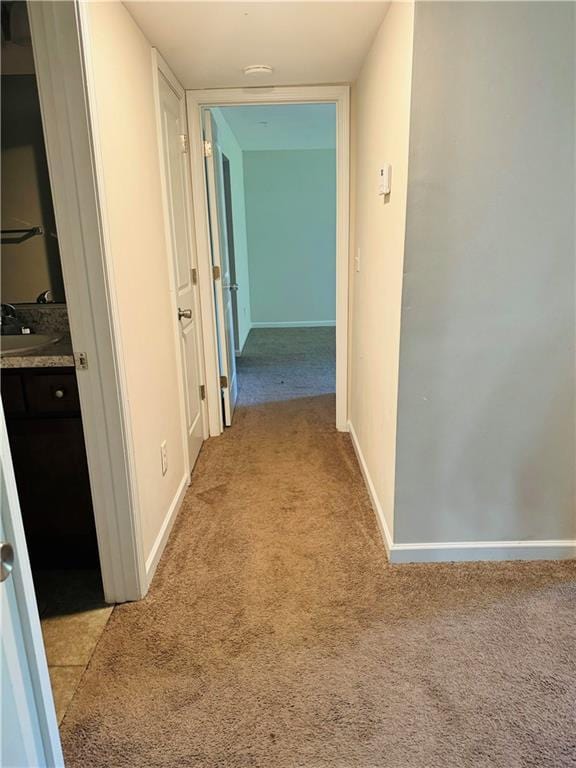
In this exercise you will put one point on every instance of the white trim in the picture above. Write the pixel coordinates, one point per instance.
(462, 551)
(342, 256)
(376, 506)
(458, 551)
(297, 324)
(222, 297)
(160, 542)
(205, 281)
(58, 40)
(335, 94)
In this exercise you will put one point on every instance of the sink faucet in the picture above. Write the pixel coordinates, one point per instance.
(45, 297)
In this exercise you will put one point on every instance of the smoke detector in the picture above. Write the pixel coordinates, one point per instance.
(258, 69)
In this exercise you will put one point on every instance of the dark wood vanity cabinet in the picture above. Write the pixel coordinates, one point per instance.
(42, 411)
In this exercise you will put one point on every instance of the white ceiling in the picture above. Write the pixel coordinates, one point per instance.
(285, 126)
(207, 44)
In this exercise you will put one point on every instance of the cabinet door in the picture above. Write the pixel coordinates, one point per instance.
(12, 394)
(52, 393)
(54, 489)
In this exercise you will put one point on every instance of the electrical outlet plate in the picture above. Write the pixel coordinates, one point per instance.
(164, 457)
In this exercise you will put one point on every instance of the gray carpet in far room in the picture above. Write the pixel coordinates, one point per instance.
(287, 363)
(277, 635)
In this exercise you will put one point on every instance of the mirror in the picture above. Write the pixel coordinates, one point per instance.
(30, 264)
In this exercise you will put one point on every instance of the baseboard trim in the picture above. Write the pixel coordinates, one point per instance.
(298, 324)
(470, 551)
(376, 506)
(458, 551)
(158, 547)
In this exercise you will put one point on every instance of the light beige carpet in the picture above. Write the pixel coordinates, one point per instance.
(277, 635)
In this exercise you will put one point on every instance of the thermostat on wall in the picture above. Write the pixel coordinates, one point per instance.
(384, 179)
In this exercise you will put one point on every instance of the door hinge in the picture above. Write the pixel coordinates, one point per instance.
(194, 276)
(81, 361)
(224, 382)
(202, 392)
(184, 142)
(207, 149)
(216, 273)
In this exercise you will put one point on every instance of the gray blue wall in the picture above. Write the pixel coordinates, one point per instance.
(290, 199)
(486, 438)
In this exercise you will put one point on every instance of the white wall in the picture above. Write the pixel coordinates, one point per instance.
(486, 404)
(120, 71)
(291, 227)
(230, 147)
(380, 128)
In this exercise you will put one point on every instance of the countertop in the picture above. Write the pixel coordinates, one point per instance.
(58, 355)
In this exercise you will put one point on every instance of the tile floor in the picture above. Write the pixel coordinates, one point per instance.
(73, 616)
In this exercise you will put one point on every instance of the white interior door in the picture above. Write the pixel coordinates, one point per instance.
(29, 734)
(221, 262)
(174, 147)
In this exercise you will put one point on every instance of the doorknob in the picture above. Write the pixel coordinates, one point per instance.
(232, 286)
(6, 560)
(187, 313)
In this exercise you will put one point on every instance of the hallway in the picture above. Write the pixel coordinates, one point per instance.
(275, 634)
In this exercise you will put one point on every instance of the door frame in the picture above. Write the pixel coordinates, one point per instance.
(327, 94)
(75, 177)
(219, 260)
(161, 68)
(227, 194)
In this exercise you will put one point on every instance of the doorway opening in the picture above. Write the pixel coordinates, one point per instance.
(39, 388)
(275, 244)
(280, 187)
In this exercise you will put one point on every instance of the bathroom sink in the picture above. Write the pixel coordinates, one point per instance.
(25, 343)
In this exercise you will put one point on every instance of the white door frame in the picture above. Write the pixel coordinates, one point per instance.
(331, 94)
(220, 260)
(160, 67)
(58, 45)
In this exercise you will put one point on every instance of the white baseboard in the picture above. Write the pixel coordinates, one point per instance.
(298, 324)
(379, 512)
(459, 551)
(158, 547)
(466, 551)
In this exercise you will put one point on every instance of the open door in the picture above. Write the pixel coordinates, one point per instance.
(29, 735)
(223, 283)
(173, 130)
